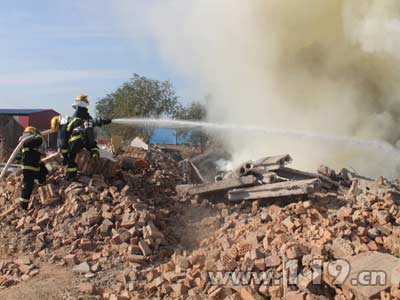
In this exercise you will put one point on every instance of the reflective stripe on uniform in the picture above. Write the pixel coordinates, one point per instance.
(23, 200)
(29, 149)
(74, 138)
(72, 169)
(64, 151)
(30, 168)
(95, 149)
(71, 123)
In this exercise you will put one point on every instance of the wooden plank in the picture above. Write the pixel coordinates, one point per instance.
(195, 173)
(275, 190)
(223, 185)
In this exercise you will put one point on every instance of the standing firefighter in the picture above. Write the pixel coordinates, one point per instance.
(32, 168)
(78, 133)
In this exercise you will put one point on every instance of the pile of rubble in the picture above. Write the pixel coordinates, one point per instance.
(359, 228)
(21, 269)
(162, 165)
(300, 231)
(263, 179)
(105, 218)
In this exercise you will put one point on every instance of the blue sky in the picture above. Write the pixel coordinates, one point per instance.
(52, 50)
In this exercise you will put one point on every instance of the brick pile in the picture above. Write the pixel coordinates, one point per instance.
(90, 225)
(323, 229)
(114, 234)
(14, 271)
(162, 165)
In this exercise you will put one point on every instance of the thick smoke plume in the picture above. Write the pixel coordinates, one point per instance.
(331, 67)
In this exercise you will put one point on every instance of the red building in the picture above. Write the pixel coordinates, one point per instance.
(39, 118)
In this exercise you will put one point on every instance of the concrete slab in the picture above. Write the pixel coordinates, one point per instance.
(224, 185)
(275, 190)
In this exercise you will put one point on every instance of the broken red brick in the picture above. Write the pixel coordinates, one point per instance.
(87, 288)
(272, 261)
(294, 252)
(71, 260)
(144, 248)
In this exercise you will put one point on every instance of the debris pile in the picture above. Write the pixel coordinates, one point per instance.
(266, 178)
(313, 235)
(162, 166)
(11, 272)
(107, 217)
(122, 230)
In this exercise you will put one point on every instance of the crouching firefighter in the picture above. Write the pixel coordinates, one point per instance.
(78, 134)
(32, 168)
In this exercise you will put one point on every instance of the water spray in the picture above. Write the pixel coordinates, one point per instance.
(345, 140)
(209, 126)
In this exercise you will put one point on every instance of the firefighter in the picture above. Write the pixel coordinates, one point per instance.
(58, 124)
(78, 134)
(32, 168)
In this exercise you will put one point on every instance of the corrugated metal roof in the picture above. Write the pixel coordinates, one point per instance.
(20, 112)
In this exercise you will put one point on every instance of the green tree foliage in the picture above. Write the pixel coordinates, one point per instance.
(195, 111)
(142, 97)
(139, 97)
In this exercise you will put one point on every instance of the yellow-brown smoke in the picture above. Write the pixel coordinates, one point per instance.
(331, 67)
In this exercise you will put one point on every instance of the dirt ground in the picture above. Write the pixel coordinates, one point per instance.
(190, 225)
(52, 283)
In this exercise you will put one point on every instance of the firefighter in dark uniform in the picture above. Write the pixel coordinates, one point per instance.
(32, 168)
(78, 134)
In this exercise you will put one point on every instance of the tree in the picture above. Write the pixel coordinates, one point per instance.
(139, 97)
(196, 111)
(142, 97)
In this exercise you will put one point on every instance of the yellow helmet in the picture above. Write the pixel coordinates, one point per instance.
(55, 123)
(81, 101)
(82, 97)
(30, 129)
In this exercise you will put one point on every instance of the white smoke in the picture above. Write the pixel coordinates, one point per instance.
(374, 25)
(325, 66)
